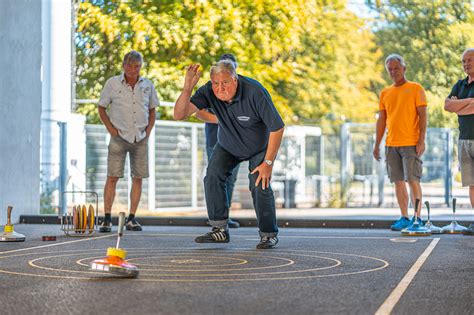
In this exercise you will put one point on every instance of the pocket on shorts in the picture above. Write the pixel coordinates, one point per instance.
(418, 168)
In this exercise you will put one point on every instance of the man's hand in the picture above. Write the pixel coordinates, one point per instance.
(376, 153)
(183, 108)
(147, 132)
(264, 174)
(113, 132)
(193, 74)
(420, 148)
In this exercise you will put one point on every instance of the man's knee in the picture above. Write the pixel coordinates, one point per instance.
(268, 192)
(414, 184)
(214, 174)
(399, 183)
(112, 180)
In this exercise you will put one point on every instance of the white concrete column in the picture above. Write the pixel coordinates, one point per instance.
(57, 94)
(20, 106)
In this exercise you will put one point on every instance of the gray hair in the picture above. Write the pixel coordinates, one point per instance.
(469, 50)
(395, 57)
(224, 65)
(133, 57)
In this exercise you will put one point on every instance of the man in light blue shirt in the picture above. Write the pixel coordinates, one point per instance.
(131, 101)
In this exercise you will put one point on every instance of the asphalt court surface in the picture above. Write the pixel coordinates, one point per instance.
(312, 271)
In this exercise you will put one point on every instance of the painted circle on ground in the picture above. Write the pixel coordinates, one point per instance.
(190, 264)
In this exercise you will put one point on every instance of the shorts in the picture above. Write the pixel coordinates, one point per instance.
(138, 155)
(466, 161)
(403, 164)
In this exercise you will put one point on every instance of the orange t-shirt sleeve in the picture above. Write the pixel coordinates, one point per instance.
(421, 97)
(381, 101)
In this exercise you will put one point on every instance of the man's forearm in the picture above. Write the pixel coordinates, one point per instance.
(454, 106)
(468, 110)
(151, 121)
(182, 107)
(206, 116)
(274, 142)
(423, 123)
(105, 119)
(380, 130)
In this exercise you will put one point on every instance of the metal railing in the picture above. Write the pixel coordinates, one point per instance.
(312, 169)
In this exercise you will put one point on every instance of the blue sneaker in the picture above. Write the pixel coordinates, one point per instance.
(400, 224)
(418, 219)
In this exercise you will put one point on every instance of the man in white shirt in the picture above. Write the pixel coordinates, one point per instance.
(131, 101)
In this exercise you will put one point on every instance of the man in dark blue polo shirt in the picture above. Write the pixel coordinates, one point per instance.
(250, 128)
(461, 102)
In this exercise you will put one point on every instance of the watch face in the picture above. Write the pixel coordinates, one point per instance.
(269, 162)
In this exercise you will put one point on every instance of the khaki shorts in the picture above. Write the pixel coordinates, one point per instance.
(138, 154)
(403, 164)
(466, 161)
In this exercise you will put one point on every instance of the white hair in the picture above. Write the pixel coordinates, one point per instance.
(397, 58)
(224, 65)
(469, 50)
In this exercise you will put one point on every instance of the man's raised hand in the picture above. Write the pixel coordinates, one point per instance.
(193, 74)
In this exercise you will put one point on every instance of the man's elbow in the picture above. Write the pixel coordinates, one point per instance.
(447, 106)
(178, 115)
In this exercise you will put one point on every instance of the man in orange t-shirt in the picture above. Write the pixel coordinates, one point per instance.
(403, 114)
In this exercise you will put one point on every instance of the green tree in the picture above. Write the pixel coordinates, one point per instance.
(430, 35)
(316, 58)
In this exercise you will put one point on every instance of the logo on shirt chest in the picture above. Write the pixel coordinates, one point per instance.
(243, 118)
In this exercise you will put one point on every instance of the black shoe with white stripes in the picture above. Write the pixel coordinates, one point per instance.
(217, 235)
(267, 242)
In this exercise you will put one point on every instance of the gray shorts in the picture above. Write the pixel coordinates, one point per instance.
(403, 164)
(466, 161)
(138, 155)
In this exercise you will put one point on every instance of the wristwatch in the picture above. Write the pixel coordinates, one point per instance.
(269, 162)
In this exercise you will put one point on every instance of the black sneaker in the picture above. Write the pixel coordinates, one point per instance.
(267, 242)
(217, 235)
(133, 225)
(105, 227)
(233, 224)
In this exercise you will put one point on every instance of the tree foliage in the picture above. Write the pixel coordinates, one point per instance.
(430, 35)
(318, 60)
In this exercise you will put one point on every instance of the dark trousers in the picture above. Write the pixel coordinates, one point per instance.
(230, 182)
(219, 170)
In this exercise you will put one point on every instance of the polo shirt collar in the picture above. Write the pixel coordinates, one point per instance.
(466, 81)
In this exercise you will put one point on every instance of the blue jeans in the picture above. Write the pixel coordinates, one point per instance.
(219, 170)
(230, 182)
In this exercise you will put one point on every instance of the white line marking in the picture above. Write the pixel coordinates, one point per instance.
(55, 244)
(279, 236)
(394, 297)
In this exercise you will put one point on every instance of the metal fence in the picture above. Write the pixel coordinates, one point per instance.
(178, 161)
(312, 169)
(364, 181)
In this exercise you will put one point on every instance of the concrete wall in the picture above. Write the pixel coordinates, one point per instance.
(20, 106)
